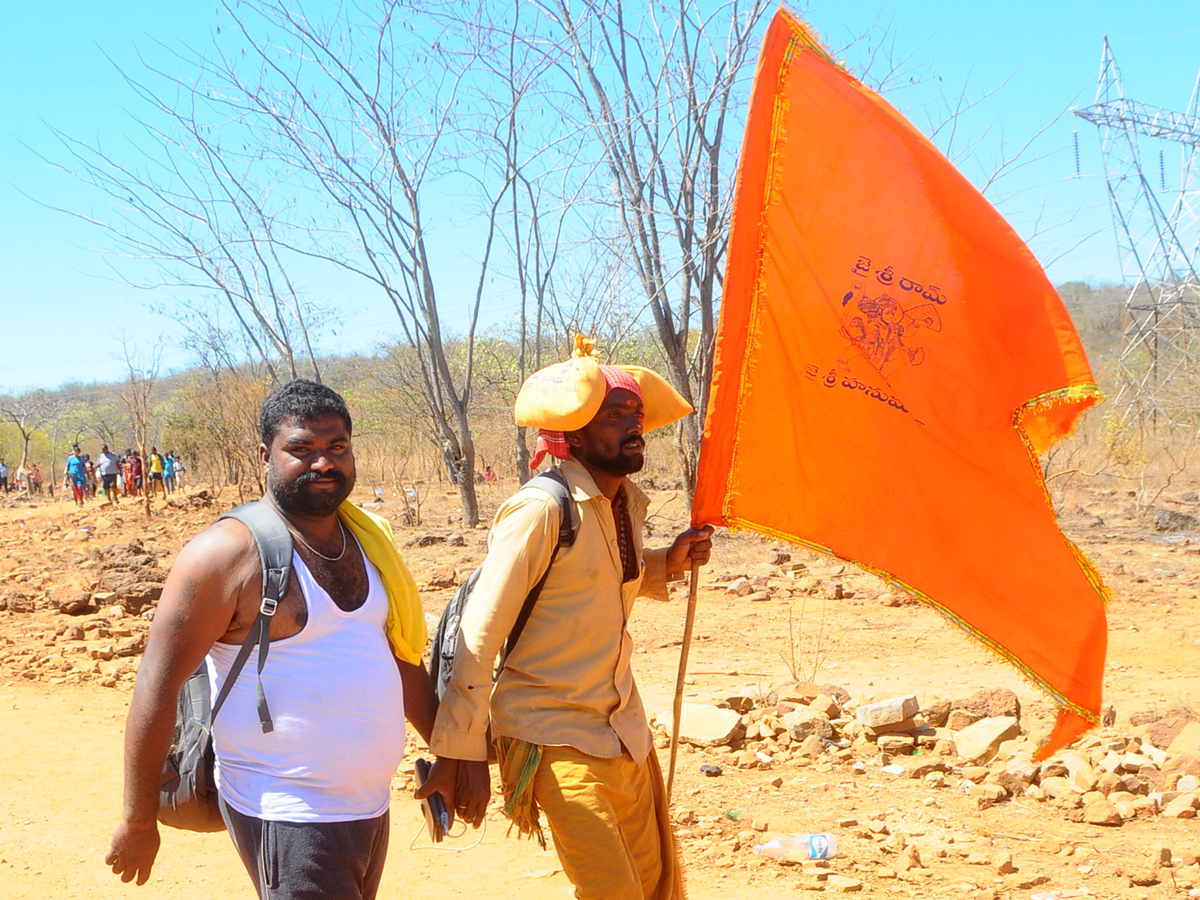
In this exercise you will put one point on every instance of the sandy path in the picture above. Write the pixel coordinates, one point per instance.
(60, 742)
(61, 768)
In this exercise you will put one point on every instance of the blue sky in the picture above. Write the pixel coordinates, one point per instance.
(63, 309)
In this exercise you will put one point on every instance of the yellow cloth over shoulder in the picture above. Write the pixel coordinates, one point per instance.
(406, 620)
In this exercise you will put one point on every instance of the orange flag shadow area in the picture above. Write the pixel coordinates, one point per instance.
(889, 361)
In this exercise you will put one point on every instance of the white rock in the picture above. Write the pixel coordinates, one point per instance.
(1075, 761)
(1158, 757)
(1024, 768)
(705, 725)
(979, 742)
(740, 587)
(885, 712)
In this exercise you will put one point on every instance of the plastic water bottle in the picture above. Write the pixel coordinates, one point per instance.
(799, 846)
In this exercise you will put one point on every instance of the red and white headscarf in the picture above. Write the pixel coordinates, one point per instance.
(555, 442)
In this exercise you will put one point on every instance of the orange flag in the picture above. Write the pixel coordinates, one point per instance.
(890, 360)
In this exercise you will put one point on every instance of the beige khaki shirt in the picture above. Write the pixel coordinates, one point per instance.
(569, 681)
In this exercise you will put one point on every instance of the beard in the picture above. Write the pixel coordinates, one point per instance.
(296, 497)
(620, 463)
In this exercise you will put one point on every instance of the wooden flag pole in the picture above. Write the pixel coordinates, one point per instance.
(677, 706)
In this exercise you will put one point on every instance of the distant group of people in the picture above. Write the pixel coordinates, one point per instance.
(23, 479)
(126, 475)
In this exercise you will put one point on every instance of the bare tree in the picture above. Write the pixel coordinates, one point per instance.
(520, 140)
(657, 87)
(534, 247)
(293, 142)
(195, 211)
(65, 428)
(138, 394)
(30, 412)
(328, 104)
(217, 422)
(105, 418)
(594, 293)
(298, 139)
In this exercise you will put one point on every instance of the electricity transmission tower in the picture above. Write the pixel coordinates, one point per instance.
(1156, 216)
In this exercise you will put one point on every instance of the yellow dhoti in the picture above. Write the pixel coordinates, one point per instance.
(608, 816)
(610, 824)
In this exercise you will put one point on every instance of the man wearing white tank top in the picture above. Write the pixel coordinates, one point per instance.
(307, 803)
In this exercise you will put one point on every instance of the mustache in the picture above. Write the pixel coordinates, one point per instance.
(310, 476)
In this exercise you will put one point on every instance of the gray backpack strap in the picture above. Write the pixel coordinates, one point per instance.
(274, 548)
(274, 543)
(553, 483)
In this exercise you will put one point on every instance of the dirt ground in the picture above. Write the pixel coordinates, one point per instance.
(64, 692)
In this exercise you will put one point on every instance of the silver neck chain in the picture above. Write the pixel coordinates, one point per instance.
(345, 543)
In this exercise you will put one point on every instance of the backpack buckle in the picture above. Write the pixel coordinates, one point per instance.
(269, 605)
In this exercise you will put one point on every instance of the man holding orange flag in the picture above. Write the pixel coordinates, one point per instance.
(567, 721)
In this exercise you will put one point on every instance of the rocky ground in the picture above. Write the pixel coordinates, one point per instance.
(818, 700)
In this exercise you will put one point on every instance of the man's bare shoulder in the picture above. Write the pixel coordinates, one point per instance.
(223, 551)
(211, 587)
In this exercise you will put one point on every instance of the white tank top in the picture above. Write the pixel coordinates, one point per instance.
(336, 702)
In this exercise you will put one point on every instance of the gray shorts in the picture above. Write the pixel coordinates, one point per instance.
(313, 860)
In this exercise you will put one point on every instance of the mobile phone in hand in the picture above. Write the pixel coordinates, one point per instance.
(434, 807)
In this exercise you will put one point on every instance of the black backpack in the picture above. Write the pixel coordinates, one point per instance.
(187, 798)
(445, 637)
